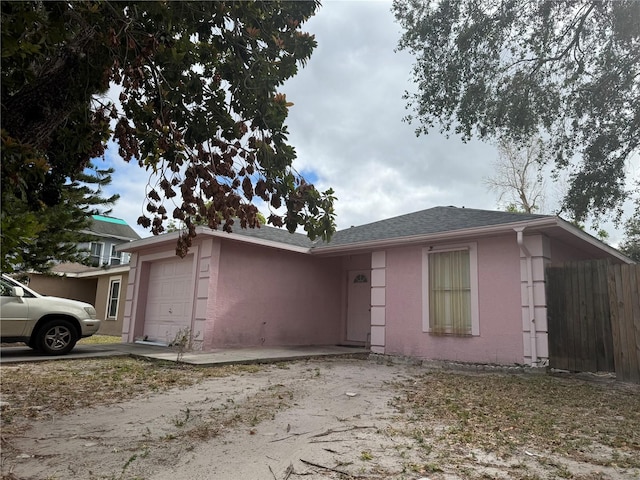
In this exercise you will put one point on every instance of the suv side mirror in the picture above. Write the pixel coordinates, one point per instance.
(17, 292)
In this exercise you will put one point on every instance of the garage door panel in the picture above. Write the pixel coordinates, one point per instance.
(169, 298)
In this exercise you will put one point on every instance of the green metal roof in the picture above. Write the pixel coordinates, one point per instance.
(101, 218)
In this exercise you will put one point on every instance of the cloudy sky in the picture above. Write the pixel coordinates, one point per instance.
(346, 125)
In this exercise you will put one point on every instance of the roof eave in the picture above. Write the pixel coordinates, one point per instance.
(109, 235)
(593, 241)
(432, 237)
(173, 237)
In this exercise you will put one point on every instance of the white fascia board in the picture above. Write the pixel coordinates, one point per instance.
(433, 237)
(93, 273)
(148, 241)
(106, 271)
(173, 237)
(105, 236)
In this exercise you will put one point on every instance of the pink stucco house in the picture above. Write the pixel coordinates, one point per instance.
(445, 283)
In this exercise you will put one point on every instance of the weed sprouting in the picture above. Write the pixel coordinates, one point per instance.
(180, 421)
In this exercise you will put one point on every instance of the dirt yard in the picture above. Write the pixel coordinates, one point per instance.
(120, 419)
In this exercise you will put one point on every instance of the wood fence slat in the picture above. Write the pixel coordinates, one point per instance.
(602, 311)
(636, 319)
(589, 319)
(573, 320)
(629, 279)
(616, 302)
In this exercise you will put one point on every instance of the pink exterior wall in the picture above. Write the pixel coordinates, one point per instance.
(500, 315)
(271, 297)
(248, 295)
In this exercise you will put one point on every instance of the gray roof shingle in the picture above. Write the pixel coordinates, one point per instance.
(104, 226)
(274, 234)
(425, 222)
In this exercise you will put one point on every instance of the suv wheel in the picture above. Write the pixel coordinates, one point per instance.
(56, 337)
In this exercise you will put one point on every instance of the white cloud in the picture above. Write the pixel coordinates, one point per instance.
(346, 125)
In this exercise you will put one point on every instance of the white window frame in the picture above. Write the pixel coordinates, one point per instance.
(117, 256)
(113, 280)
(472, 247)
(101, 256)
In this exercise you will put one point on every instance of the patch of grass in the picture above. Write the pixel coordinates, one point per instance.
(504, 414)
(100, 340)
(44, 389)
(366, 455)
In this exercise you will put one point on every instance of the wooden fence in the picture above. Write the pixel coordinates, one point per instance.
(593, 315)
(624, 298)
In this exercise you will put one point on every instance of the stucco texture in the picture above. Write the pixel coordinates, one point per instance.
(270, 297)
(248, 295)
(499, 302)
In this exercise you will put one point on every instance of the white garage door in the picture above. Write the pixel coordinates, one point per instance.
(169, 299)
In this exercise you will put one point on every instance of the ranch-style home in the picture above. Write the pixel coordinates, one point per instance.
(445, 283)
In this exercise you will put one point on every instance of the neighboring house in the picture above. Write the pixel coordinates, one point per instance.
(101, 285)
(109, 232)
(445, 283)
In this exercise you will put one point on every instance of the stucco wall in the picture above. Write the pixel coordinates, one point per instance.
(499, 297)
(270, 297)
(82, 289)
(110, 326)
(248, 295)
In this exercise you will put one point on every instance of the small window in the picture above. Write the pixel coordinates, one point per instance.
(360, 279)
(116, 257)
(96, 253)
(113, 299)
(450, 296)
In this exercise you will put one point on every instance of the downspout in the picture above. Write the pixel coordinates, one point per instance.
(532, 318)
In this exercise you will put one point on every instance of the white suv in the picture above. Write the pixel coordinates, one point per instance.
(49, 324)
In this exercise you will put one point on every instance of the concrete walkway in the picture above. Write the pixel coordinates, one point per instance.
(214, 357)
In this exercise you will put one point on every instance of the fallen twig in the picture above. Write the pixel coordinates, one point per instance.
(288, 436)
(340, 430)
(272, 473)
(335, 470)
(288, 472)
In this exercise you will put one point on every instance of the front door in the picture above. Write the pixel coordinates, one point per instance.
(359, 306)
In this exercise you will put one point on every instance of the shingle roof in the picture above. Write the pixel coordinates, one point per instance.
(112, 227)
(274, 234)
(430, 221)
(424, 222)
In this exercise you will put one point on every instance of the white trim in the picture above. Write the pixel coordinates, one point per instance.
(101, 256)
(472, 247)
(118, 279)
(533, 226)
(432, 237)
(107, 235)
(173, 237)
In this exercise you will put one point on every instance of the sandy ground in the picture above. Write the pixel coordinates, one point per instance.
(304, 420)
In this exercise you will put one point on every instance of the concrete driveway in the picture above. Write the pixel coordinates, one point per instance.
(215, 357)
